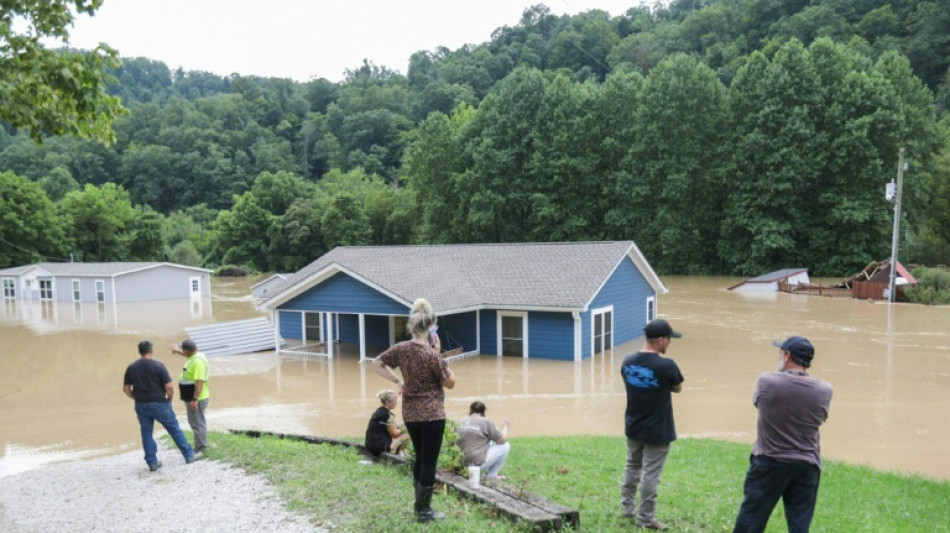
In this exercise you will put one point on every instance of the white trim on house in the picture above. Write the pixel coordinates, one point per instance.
(194, 286)
(100, 291)
(593, 332)
(318, 277)
(642, 265)
(9, 288)
(577, 336)
(524, 331)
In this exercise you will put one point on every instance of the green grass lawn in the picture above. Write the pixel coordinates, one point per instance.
(700, 491)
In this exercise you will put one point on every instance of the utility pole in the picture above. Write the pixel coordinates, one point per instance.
(901, 166)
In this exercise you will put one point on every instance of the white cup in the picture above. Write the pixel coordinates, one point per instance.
(474, 477)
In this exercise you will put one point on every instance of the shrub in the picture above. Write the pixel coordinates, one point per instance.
(933, 286)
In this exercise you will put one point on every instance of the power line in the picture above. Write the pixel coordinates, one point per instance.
(34, 252)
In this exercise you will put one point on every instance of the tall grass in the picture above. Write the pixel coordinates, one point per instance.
(933, 286)
(700, 491)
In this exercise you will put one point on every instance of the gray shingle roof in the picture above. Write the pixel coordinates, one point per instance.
(778, 275)
(94, 269)
(465, 276)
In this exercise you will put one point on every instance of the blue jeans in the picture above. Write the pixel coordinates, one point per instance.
(161, 412)
(767, 480)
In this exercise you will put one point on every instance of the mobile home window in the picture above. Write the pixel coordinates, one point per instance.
(195, 286)
(46, 289)
(651, 308)
(100, 291)
(9, 288)
(77, 295)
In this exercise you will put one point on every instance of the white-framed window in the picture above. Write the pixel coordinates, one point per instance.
(651, 308)
(77, 293)
(100, 291)
(513, 333)
(194, 285)
(602, 329)
(46, 289)
(312, 327)
(9, 288)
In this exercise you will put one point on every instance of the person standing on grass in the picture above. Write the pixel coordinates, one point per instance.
(786, 460)
(382, 432)
(425, 376)
(147, 382)
(194, 380)
(648, 379)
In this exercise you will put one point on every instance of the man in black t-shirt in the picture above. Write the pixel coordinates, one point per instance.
(147, 382)
(648, 379)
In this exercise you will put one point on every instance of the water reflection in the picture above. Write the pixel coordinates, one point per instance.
(61, 371)
(47, 316)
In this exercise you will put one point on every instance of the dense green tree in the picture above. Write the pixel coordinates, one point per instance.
(434, 160)
(145, 239)
(496, 191)
(58, 92)
(344, 222)
(682, 117)
(30, 228)
(58, 183)
(776, 142)
(100, 219)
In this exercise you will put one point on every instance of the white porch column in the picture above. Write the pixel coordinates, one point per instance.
(275, 318)
(577, 335)
(478, 330)
(362, 337)
(330, 335)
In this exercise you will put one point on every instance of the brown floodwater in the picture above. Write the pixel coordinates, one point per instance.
(61, 375)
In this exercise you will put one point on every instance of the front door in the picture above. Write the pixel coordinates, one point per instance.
(603, 334)
(513, 334)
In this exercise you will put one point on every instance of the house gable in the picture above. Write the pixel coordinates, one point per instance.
(341, 293)
(626, 291)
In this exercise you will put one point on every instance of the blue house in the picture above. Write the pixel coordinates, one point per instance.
(562, 301)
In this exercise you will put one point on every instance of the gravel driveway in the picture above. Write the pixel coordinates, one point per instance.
(118, 493)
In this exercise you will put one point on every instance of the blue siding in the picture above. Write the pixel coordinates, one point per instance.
(461, 327)
(627, 290)
(291, 324)
(489, 331)
(343, 294)
(551, 335)
(349, 329)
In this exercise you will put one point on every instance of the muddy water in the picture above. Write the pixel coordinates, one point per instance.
(61, 372)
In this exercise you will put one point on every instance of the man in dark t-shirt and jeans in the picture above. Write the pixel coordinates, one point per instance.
(649, 379)
(147, 382)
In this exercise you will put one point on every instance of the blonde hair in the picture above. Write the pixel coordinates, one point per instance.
(421, 317)
(385, 396)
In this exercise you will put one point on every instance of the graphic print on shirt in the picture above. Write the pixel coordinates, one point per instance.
(639, 376)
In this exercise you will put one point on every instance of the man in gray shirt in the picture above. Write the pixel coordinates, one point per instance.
(786, 460)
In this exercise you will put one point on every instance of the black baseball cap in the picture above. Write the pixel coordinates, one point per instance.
(660, 328)
(799, 347)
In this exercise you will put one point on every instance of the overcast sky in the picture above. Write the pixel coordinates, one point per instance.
(302, 39)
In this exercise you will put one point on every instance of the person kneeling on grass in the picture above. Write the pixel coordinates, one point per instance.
(482, 444)
(382, 433)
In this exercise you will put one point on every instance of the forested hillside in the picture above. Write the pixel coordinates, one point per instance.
(723, 136)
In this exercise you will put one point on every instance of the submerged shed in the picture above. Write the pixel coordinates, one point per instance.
(773, 281)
